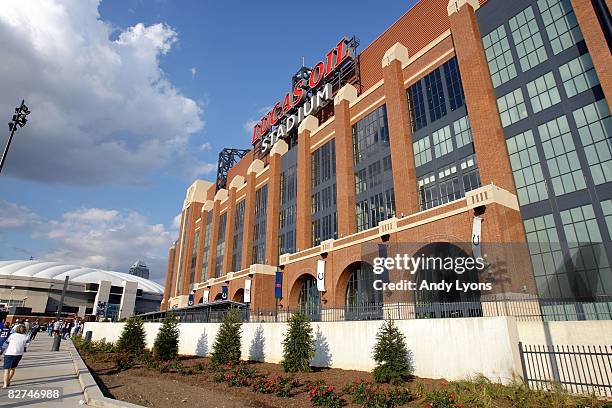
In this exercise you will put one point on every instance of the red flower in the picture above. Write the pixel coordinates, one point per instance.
(453, 396)
(330, 388)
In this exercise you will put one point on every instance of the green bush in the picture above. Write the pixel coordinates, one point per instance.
(277, 385)
(298, 344)
(132, 338)
(368, 395)
(166, 342)
(226, 349)
(324, 396)
(391, 355)
(102, 346)
(124, 361)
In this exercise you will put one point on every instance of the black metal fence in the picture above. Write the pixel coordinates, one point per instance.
(578, 369)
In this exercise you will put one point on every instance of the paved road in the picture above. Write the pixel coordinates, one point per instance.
(43, 369)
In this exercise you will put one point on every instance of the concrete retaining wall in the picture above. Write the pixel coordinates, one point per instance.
(440, 348)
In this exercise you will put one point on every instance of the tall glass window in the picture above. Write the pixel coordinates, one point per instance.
(194, 256)
(324, 220)
(428, 192)
(237, 243)
(527, 39)
(578, 75)
(422, 151)
(448, 179)
(416, 107)
(453, 84)
(595, 129)
(606, 207)
(470, 174)
(435, 95)
(561, 158)
(511, 107)
(561, 24)
(463, 131)
(287, 214)
(499, 56)
(259, 226)
(368, 132)
(442, 140)
(543, 92)
(206, 247)
(526, 169)
(220, 245)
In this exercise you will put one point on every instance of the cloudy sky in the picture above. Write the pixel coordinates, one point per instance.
(131, 100)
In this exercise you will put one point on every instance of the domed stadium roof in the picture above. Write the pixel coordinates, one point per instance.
(58, 271)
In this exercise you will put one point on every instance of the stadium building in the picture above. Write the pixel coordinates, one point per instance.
(464, 122)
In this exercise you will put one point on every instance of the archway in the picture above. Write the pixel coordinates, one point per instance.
(218, 297)
(361, 300)
(239, 296)
(448, 302)
(309, 299)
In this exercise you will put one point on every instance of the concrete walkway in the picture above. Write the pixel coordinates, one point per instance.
(43, 369)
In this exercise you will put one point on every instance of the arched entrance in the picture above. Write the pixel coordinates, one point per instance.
(309, 300)
(361, 300)
(435, 302)
(239, 296)
(218, 297)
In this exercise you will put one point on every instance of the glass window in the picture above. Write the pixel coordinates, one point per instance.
(527, 39)
(469, 170)
(463, 131)
(595, 129)
(587, 253)
(560, 153)
(511, 107)
(526, 169)
(367, 133)
(546, 256)
(606, 207)
(428, 192)
(453, 84)
(560, 22)
(435, 95)
(361, 181)
(220, 245)
(324, 162)
(499, 57)
(448, 179)
(578, 75)
(422, 151)
(442, 141)
(543, 92)
(416, 107)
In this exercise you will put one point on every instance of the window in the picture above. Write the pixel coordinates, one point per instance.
(499, 57)
(595, 129)
(422, 151)
(259, 226)
(206, 247)
(546, 256)
(526, 169)
(587, 252)
(387, 165)
(435, 95)
(374, 174)
(454, 89)
(323, 199)
(563, 164)
(416, 107)
(511, 107)
(470, 174)
(237, 242)
(428, 193)
(368, 132)
(463, 131)
(324, 163)
(442, 141)
(362, 212)
(560, 22)
(288, 184)
(449, 184)
(194, 256)
(606, 207)
(527, 38)
(578, 75)
(220, 245)
(360, 181)
(543, 92)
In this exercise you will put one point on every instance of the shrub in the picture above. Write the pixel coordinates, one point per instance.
(102, 346)
(324, 396)
(124, 361)
(443, 398)
(166, 342)
(277, 385)
(132, 338)
(391, 355)
(298, 344)
(227, 343)
(369, 395)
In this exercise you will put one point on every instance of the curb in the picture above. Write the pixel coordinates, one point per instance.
(91, 391)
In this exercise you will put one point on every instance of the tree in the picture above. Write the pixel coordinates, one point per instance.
(391, 355)
(226, 349)
(167, 340)
(298, 344)
(132, 338)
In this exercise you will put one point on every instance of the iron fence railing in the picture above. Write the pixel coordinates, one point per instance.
(580, 369)
(522, 308)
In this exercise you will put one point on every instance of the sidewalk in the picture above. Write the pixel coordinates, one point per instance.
(43, 369)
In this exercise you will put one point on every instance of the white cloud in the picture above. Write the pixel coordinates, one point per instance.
(103, 111)
(206, 147)
(14, 216)
(193, 71)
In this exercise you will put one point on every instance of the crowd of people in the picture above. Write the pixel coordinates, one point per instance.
(15, 339)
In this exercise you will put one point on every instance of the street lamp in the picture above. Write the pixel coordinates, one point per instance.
(19, 118)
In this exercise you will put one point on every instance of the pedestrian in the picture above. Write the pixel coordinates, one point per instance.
(74, 329)
(50, 327)
(66, 330)
(14, 347)
(57, 326)
(14, 326)
(5, 331)
(28, 327)
(35, 329)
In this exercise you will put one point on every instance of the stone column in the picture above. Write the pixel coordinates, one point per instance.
(304, 183)
(249, 212)
(487, 131)
(345, 174)
(400, 133)
(102, 295)
(128, 300)
(276, 154)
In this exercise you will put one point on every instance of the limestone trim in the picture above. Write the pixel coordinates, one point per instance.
(367, 110)
(322, 141)
(279, 147)
(310, 123)
(208, 205)
(397, 52)
(221, 195)
(237, 182)
(455, 5)
(347, 93)
(434, 63)
(256, 167)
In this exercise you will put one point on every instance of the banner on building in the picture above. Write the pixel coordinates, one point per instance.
(278, 285)
(321, 275)
(190, 300)
(206, 296)
(247, 291)
(476, 237)
(224, 292)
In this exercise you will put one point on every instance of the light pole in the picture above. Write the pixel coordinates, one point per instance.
(11, 297)
(19, 118)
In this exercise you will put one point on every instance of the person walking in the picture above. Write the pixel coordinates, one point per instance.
(28, 327)
(14, 347)
(66, 330)
(57, 327)
(50, 327)
(5, 331)
(35, 329)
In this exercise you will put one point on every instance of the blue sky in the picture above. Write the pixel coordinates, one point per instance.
(131, 100)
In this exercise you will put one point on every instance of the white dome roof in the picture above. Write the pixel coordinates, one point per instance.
(58, 271)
